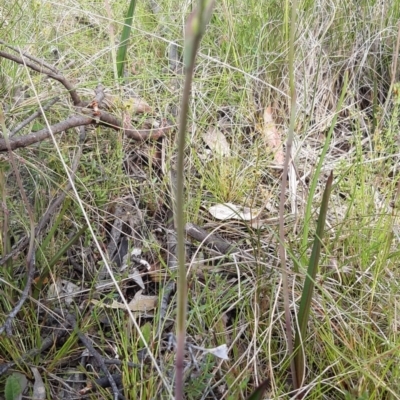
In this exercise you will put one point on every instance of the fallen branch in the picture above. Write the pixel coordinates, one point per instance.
(44, 69)
(75, 121)
(212, 240)
(35, 59)
(88, 113)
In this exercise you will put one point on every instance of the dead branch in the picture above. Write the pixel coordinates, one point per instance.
(104, 119)
(87, 112)
(35, 59)
(213, 241)
(43, 69)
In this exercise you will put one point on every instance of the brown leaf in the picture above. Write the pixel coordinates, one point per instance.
(138, 303)
(143, 303)
(271, 137)
(137, 105)
(217, 142)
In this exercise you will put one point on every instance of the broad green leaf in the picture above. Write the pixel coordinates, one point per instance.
(15, 385)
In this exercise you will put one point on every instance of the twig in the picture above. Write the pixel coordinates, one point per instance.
(35, 59)
(33, 116)
(215, 242)
(95, 354)
(43, 69)
(104, 119)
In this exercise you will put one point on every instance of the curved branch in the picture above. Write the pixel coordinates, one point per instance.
(47, 71)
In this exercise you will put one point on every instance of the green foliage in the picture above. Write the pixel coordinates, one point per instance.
(15, 385)
(309, 283)
(123, 45)
(258, 394)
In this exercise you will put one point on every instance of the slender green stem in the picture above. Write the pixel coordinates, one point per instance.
(282, 251)
(195, 29)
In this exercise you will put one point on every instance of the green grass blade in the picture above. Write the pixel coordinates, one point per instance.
(123, 45)
(259, 392)
(314, 183)
(53, 230)
(55, 259)
(309, 283)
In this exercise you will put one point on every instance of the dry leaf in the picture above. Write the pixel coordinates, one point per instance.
(114, 304)
(137, 277)
(231, 211)
(143, 303)
(217, 142)
(64, 289)
(136, 105)
(272, 137)
(138, 303)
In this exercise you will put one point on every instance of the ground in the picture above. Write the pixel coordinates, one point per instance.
(101, 201)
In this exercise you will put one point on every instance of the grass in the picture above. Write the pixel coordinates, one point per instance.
(352, 349)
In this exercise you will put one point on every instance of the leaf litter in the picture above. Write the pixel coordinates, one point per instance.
(271, 137)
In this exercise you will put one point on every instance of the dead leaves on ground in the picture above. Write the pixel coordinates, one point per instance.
(228, 211)
(218, 144)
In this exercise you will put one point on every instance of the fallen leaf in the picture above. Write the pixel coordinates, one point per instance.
(138, 303)
(136, 105)
(137, 277)
(271, 137)
(143, 303)
(231, 211)
(217, 142)
(62, 288)
(114, 304)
